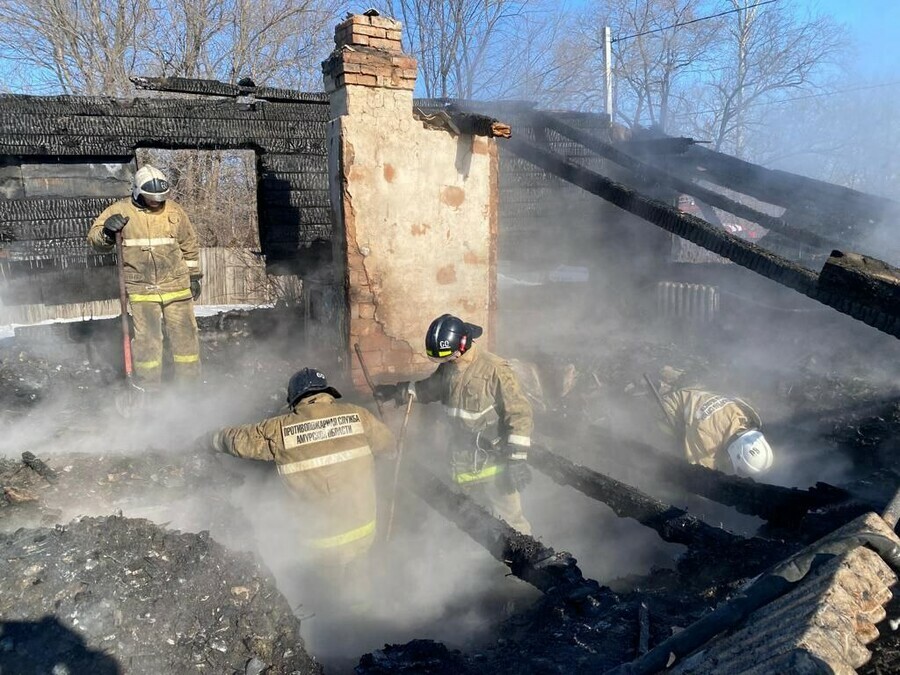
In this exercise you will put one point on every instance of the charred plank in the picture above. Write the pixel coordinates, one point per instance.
(779, 505)
(686, 186)
(671, 523)
(883, 316)
(527, 558)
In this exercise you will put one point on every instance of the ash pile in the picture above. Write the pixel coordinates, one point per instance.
(113, 594)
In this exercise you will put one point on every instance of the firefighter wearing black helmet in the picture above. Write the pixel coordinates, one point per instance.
(323, 450)
(161, 258)
(491, 416)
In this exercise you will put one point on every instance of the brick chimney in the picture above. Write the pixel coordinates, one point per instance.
(414, 207)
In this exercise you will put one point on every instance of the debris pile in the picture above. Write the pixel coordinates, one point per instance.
(130, 593)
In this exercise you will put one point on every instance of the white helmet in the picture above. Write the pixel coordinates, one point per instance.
(151, 183)
(750, 454)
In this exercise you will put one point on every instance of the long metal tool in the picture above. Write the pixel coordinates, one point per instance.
(658, 397)
(401, 441)
(130, 398)
(371, 384)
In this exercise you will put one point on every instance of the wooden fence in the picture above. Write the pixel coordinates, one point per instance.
(231, 276)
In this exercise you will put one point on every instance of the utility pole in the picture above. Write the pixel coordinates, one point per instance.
(607, 62)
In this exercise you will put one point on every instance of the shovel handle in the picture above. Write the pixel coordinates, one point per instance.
(365, 371)
(123, 303)
(400, 443)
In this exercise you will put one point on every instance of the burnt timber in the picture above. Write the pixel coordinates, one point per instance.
(777, 504)
(527, 558)
(870, 310)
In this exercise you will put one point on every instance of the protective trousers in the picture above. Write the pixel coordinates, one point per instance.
(181, 329)
(343, 574)
(505, 506)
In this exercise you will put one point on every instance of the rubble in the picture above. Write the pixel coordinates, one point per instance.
(128, 594)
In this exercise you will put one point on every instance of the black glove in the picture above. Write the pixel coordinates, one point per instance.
(195, 287)
(515, 476)
(398, 393)
(114, 224)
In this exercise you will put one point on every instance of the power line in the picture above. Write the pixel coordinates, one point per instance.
(702, 18)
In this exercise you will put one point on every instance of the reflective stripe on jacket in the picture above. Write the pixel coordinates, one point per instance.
(482, 398)
(704, 422)
(323, 451)
(161, 251)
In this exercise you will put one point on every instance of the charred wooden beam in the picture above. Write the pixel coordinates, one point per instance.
(779, 505)
(671, 523)
(460, 122)
(527, 558)
(881, 315)
(861, 276)
(812, 203)
(675, 182)
(202, 87)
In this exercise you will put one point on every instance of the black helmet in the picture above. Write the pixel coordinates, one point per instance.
(448, 337)
(307, 382)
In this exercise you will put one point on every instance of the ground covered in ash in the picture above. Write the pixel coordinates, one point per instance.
(833, 414)
(113, 594)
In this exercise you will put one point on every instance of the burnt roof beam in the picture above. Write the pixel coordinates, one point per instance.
(884, 316)
(671, 523)
(706, 195)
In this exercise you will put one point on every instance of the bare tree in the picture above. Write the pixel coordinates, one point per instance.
(465, 48)
(94, 46)
(666, 50)
(766, 52)
(73, 46)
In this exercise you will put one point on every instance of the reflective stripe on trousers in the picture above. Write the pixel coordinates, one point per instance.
(161, 297)
(473, 476)
(346, 538)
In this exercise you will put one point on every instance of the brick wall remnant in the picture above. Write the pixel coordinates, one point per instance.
(415, 207)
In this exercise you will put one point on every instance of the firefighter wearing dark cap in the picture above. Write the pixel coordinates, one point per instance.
(161, 258)
(323, 450)
(491, 417)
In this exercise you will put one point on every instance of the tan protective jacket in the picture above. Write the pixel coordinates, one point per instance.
(705, 423)
(161, 251)
(482, 398)
(323, 451)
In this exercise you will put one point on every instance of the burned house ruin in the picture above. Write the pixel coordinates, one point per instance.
(391, 210)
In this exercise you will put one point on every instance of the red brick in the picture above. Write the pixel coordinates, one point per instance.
(385, 22)
(366, 80)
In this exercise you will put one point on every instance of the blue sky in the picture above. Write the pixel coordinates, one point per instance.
(874, 26)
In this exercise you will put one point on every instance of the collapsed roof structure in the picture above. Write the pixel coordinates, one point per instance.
(65, 158)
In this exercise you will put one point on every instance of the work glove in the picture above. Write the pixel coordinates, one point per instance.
(195, 287)
(114, 224)
(517, 473)
(515, 476)
(211, 442)
(398, 393)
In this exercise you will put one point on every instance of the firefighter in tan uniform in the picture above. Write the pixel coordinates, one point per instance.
(161, 257)
(718, 432)
(490, 414)
(323, 450)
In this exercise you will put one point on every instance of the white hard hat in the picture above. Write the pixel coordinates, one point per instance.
(750, 454)
(151, 183)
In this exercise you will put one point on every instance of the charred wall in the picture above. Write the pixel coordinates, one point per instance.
(64, 158)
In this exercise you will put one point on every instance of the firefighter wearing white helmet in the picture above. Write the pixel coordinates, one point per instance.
(161, 257)
(718, 432)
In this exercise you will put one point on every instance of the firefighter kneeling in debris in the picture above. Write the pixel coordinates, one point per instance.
(323, 450)
(718, 432)
(491, 417)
